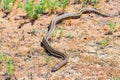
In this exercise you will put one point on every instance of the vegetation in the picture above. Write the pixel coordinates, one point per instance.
(65, 3)
(117, 78)
(69, 35)
(61, 31)
(34, 32)
(104, 42)
(1, 57)
(112, 25)
(7, 4)
(25, 44)
(9, 63)
(53, 35)
(95, 1)
(54, 4)
(34, 9)
(47, 59)
(90, 2)
(9, 66)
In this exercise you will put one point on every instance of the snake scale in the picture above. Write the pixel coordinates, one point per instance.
(54, 21)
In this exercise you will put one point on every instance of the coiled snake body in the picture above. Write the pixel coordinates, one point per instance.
(54, 21)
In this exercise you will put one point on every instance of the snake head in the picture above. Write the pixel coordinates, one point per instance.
(41, 44)
(53, 69)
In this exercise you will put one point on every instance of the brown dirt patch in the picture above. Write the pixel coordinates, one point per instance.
(88, 59)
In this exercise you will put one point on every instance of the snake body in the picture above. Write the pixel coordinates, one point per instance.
(54, 21)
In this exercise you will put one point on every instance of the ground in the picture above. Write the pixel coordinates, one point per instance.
(80, 40)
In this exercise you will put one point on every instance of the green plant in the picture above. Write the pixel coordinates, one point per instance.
(33, 9)
(1, 4)
(104, 42)
(69, 35)
(90, 2)
(61, 31)
(54, 4)
(9, 63)
(51, 4)
(83, 5)
(8, 4)
(47, 59)
(39, 9)
(10, 66)
(65, 3)
(29, 9)
(34, 31)
(112, 25)
(21, 5)
(117, 78)
(1, 57)
(53, 35)
(95, 1)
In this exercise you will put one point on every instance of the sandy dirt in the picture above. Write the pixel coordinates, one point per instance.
(81, 37)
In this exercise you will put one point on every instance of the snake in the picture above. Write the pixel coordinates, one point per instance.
(46, 44)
